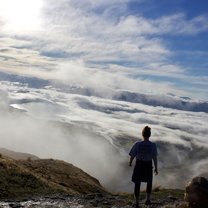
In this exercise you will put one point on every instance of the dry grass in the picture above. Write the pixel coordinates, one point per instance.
(63, 175)
(18, 182)
(26, 178)
(43, 177)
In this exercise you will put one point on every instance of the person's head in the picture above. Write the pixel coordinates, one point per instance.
(146, 132)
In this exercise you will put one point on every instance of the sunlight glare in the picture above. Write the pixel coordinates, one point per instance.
(21, 15)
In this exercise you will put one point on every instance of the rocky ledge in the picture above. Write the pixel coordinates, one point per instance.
(90, 201)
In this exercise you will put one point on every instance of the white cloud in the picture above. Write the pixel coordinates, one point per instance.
(104, 82)
(176, 24)
(76, 33)
(4, 101)
(77, 29)
(179, 24)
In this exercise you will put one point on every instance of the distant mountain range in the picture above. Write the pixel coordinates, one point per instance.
(166, 100)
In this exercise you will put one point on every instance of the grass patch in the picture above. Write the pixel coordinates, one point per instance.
(16, 182)
(23, 178)
(159, 194)
(164, 193)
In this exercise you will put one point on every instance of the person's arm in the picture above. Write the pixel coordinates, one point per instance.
(132, 154)
(131, 160)
(155, 160)
(155, 164)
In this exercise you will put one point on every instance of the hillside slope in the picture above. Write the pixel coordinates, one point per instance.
(24, 178)
(28, 182)
(17, 155)
(63, 175)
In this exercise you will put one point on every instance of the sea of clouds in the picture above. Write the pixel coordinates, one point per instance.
(96, 133)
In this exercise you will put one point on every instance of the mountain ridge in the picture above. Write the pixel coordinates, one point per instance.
(27, 178)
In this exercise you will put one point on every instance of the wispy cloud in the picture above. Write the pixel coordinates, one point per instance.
(103, 35)
(179, 24)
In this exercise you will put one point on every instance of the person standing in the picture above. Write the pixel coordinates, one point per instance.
(145, 152)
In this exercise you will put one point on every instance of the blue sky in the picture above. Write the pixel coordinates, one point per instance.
(154, 8)
(160, 44)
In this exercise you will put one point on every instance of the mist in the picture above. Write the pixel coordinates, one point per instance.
(51, 139)
(96, 134)
(104, 82)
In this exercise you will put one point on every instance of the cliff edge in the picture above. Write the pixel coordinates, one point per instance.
(24, 178)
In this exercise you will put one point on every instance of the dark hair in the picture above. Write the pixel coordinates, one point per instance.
(146, 132)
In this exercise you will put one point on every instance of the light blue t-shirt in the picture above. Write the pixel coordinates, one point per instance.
(144, 150)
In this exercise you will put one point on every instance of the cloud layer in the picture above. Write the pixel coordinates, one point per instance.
(79, 128)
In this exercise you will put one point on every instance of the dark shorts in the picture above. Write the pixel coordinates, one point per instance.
(142, 171)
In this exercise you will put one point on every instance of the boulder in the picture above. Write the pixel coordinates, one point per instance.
(197, 193)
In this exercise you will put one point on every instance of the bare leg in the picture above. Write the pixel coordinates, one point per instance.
(137, 192)
(148, 191)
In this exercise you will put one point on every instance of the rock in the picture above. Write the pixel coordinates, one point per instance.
(15, 205)
(197, 193)
(172, 198)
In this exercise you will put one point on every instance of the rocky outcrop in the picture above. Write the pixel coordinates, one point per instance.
(197, 193)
